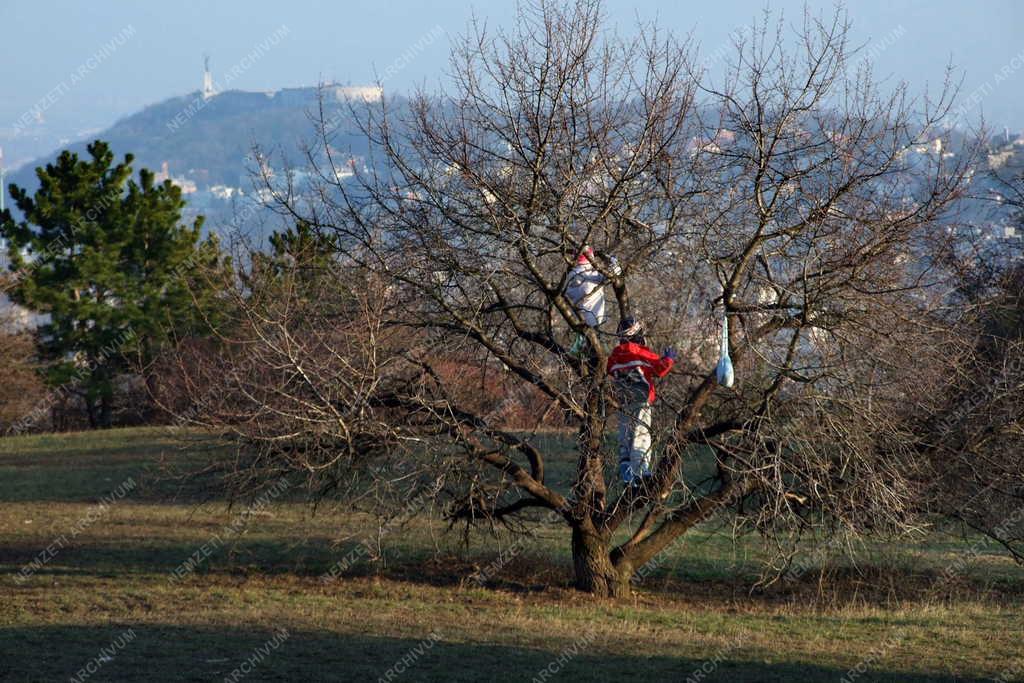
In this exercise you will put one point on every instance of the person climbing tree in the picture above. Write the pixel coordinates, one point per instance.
(585, 289)
(633, 367)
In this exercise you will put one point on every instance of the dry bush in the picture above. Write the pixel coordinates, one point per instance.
(22, 392)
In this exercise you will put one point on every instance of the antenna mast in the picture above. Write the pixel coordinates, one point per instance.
(208, 90)
(3, 176)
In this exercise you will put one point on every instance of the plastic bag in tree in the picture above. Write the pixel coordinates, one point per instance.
(723, 372)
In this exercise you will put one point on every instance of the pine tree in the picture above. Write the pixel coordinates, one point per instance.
(300, 267)
(107, 259)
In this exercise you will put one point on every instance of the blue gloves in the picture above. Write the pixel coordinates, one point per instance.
(671, 354)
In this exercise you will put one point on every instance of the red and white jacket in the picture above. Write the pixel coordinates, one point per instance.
(630, 357)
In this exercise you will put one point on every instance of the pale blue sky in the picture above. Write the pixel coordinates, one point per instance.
(43, 42)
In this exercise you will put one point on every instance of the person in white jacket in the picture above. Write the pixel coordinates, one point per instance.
(585, 289)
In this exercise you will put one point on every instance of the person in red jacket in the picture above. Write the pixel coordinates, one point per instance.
(633, 368)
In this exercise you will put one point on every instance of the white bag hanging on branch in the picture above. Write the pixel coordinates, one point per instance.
(723, 372)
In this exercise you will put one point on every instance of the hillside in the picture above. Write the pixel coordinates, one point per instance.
(204, 142)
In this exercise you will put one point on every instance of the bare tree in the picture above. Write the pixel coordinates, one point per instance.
(787, 198)
(973, 426)
(23, 399)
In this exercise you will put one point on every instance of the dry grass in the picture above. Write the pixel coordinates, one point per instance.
(115, 574)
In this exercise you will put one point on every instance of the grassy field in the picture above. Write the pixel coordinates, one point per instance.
(112, 573)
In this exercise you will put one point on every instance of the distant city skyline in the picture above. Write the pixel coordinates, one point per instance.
(81, 66)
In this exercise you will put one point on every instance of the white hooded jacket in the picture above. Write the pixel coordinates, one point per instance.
(585, 289)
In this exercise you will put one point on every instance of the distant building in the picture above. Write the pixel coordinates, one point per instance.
(365, 93)
(999, 158)
(187, 186)
(1006, 138)
(224, 191)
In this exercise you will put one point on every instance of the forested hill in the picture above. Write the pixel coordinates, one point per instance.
(206, 141)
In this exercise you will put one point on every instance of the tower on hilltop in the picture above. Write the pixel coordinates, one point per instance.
(3, 174)
(208, 90)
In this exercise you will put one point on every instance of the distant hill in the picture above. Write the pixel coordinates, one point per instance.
(206, 141)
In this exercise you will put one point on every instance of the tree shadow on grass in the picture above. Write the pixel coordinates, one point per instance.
(314, 557)
(153, 653)
(311, 557)
(88, 479)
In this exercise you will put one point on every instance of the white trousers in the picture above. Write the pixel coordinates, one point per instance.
(635, 440)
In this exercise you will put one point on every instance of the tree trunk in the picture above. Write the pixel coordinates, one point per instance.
(594, 571)
(106, 418)
(152, 398)
(90, 409)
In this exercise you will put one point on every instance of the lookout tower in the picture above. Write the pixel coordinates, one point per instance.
(208, 90)
(3, 176)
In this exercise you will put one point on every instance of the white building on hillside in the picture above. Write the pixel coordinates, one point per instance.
(365, 93)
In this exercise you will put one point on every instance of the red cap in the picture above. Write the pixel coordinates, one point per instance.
(586, 255)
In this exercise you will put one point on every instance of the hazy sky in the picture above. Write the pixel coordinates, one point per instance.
(45, 42)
